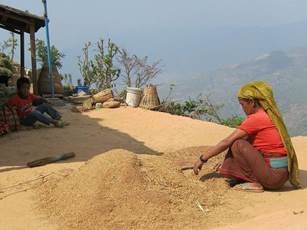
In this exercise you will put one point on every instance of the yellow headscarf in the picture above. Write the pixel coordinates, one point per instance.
(263, 92)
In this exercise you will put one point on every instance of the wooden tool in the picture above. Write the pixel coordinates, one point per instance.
(48, 160)
(186, 168)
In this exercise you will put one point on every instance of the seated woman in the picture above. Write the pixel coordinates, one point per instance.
(261, 155)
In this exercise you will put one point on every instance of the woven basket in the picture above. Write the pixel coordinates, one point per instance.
(44, 84)
(150, 98)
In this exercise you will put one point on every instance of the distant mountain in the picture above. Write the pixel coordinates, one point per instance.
(286, 71)
(189, 50)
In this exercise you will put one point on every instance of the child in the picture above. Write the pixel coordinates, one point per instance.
(23, 102)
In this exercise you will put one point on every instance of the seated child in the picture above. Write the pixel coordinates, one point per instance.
(23, 102)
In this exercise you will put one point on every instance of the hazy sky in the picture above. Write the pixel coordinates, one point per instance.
(74, 22)
(113, 15)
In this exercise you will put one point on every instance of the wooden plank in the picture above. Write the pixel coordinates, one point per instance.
(10, 28)
(7, 15)
(33, 59)
(18, 22)
(17, 18)
(3, 17)
(22, 54)
(21, 13)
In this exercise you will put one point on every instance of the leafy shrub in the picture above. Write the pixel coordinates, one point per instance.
(200, 108)
(233, 121)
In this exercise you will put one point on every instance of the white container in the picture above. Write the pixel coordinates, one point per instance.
(133, 97)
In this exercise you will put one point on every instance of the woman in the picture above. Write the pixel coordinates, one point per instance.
(261, 154)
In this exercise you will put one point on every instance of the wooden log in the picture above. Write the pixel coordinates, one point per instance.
(48, 160)
(103, 96)
(33, 58)
(22, 54)
(111, 104)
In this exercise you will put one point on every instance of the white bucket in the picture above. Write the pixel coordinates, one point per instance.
(133, 97)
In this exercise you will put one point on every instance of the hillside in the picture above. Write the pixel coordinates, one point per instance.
(285, 71)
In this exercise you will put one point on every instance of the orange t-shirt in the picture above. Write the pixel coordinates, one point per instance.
(263, 134)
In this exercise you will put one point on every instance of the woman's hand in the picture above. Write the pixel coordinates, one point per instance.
(197, 166)
(217, 149)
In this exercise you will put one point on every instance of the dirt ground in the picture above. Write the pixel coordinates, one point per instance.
(126, 176)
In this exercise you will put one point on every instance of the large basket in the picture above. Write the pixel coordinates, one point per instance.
(150, 99)
(44, 83)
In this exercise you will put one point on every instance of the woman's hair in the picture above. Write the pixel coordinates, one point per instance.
(21, 81)
(256, 101)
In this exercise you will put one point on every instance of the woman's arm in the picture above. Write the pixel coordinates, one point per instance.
(220, 147)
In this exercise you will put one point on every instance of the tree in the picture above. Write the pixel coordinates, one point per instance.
(129, 64)
(85, 66)
(10, 44)
(146, 72)
(137, 71)
(103, 68)
(42, 54)
(100, 70)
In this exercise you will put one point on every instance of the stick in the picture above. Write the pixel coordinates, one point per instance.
(186, 168)
(48, 160)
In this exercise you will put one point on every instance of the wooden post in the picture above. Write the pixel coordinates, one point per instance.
(33, 59)
(22, 54)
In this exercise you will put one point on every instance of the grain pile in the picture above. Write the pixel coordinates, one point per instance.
(123, 190)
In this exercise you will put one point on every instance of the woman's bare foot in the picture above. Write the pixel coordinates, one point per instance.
(249, 187)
